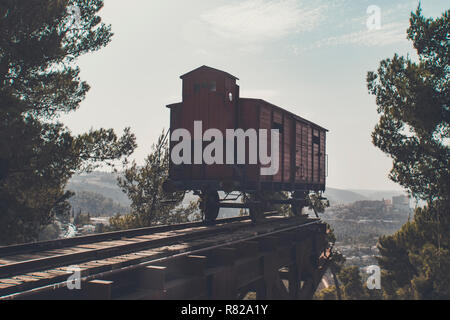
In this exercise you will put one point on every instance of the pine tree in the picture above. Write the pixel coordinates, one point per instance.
(40, 41)
(413, 103)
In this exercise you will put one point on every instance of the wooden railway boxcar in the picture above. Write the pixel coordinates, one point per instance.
(212, 97)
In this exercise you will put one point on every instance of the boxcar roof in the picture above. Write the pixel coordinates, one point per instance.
(206, 68)
(272, 105)
(173, 105)
(284, 110)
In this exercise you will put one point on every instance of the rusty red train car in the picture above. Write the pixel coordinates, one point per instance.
(211, 98)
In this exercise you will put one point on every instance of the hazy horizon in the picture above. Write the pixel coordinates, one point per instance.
(327, 187)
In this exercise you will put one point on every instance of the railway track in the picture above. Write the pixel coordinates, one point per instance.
(26, 269)
(61, 243)
(32, 257)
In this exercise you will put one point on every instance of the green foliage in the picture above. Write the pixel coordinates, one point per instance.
(150, 205)
(326, 294)
(96, 204)
(39, 81)
(336, 262)
(50, 232)
(125, 222)
(134, 220)
(317, 203)
(413, 100)
(352, 285)
(413, 103)
(282, 209)
(416, 260)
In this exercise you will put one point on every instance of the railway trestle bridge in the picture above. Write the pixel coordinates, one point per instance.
(277, 258)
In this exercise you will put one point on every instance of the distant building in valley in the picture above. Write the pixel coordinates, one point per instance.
(401, 202)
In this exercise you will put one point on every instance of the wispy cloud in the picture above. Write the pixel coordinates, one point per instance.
(388, 34)
(392, 33)
(262, 20)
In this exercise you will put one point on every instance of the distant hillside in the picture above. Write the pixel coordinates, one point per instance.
(95, 204)
(105, 184)
(102, 183)
(339, 196)
(379, 194)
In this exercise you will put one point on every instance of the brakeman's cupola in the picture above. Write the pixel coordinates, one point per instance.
(209, 80)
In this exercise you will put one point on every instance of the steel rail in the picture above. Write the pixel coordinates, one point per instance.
(134, 267)
(40, 263)
(115, 235)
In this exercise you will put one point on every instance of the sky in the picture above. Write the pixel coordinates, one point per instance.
(309, 57)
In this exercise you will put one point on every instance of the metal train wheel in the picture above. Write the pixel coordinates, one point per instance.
(257, 205)
(297, 209)
(209, 205)
(299, 202)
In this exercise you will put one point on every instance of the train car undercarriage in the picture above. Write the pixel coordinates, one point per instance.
(257, 201)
